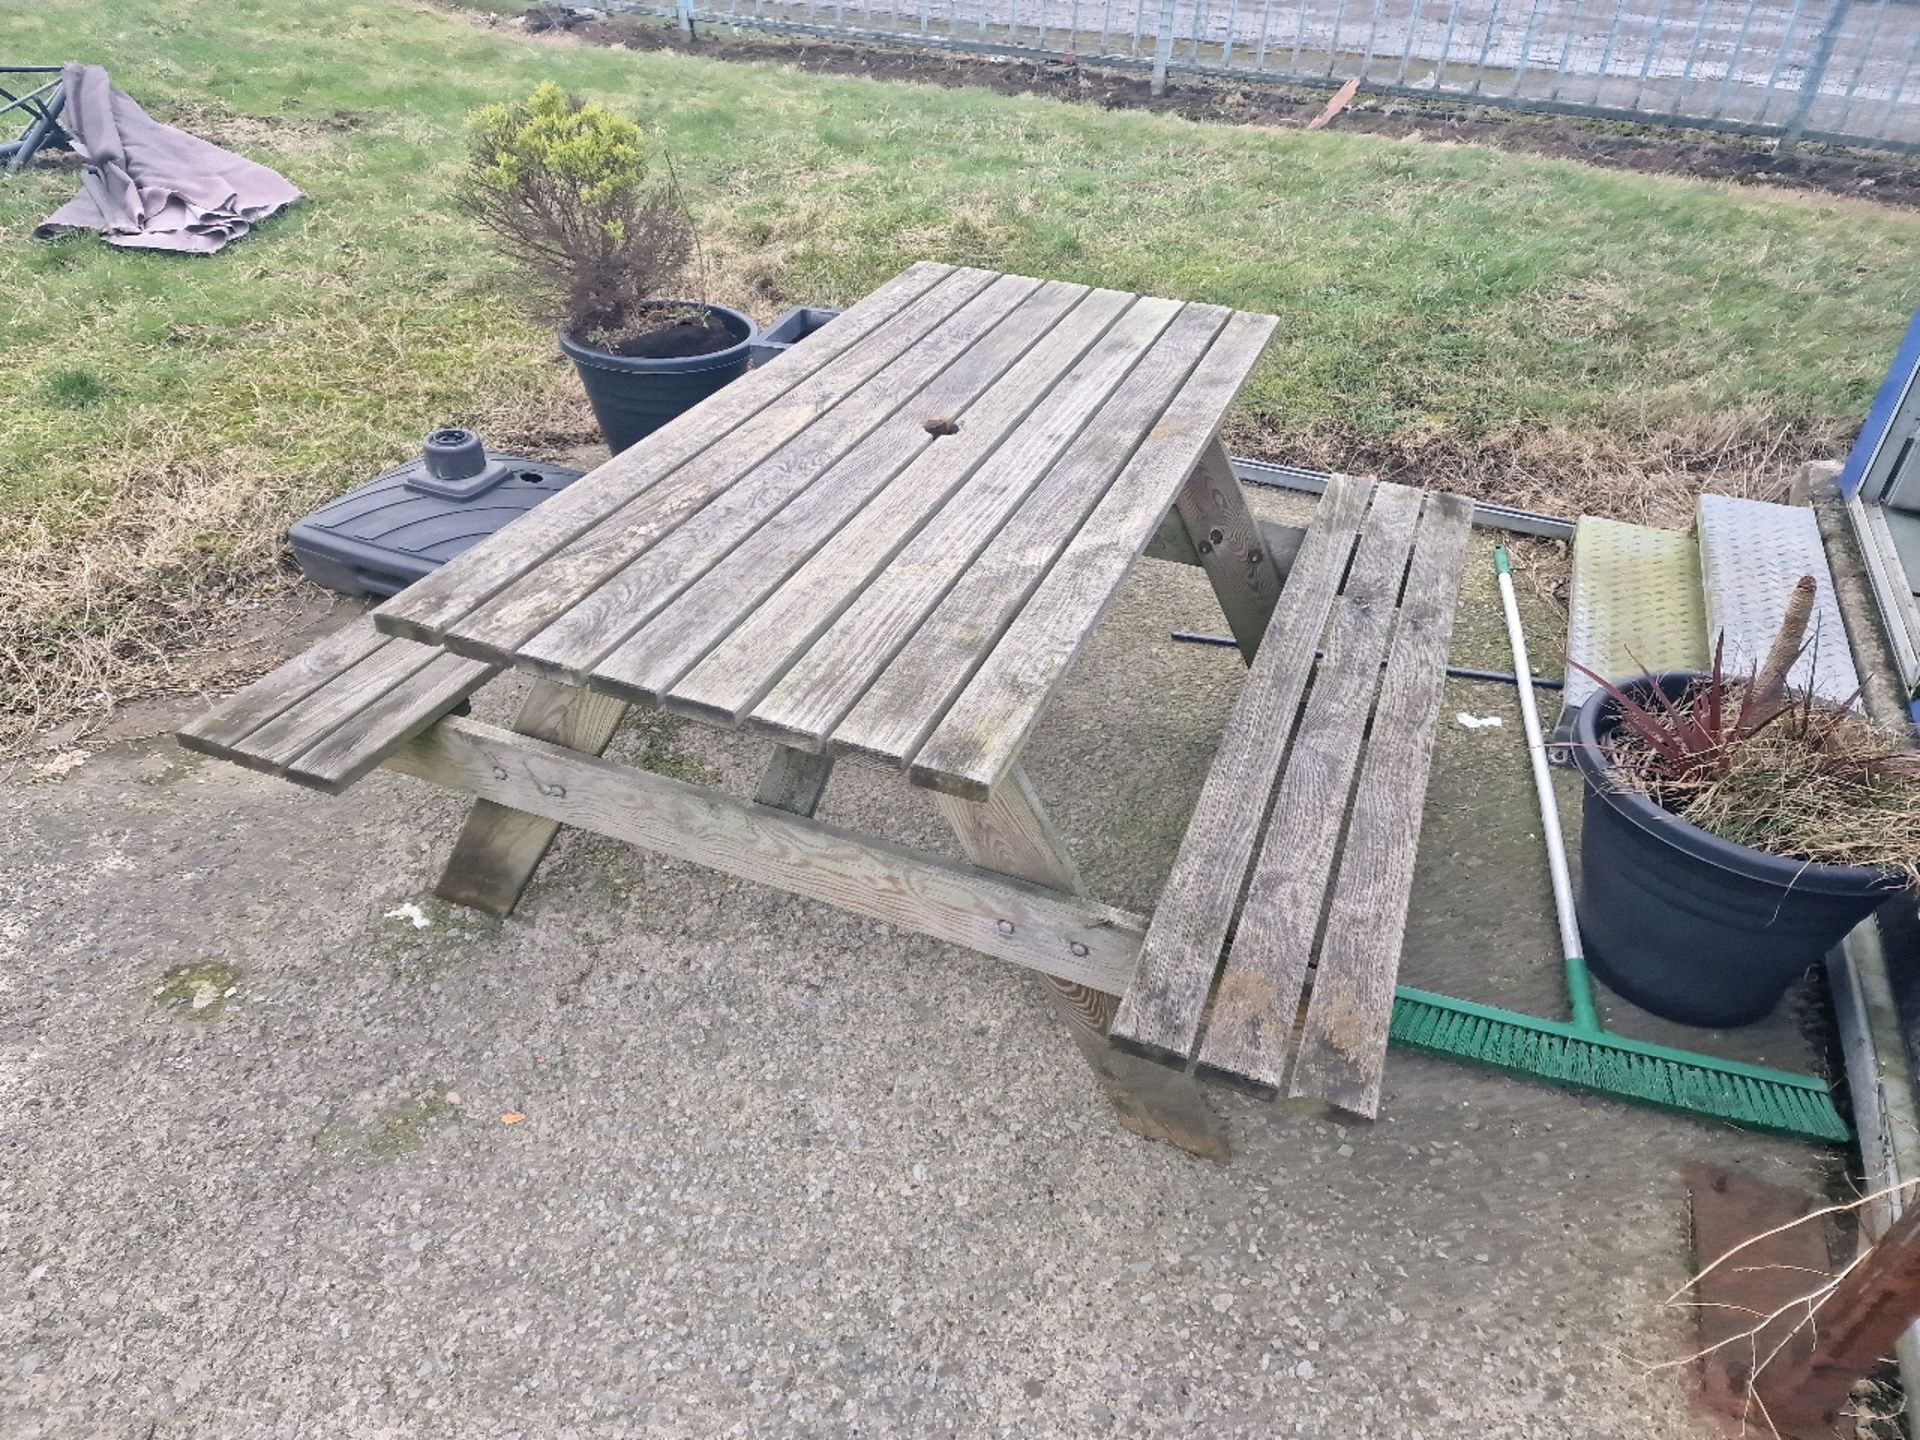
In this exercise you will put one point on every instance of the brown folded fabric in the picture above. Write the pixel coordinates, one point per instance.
(150, 186)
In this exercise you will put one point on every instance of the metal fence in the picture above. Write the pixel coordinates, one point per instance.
(1834, 71)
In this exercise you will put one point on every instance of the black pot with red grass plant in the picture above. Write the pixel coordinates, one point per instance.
(1734, 831)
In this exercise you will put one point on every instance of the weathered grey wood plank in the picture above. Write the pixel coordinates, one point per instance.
(770, 455)
(1010, 833)
(906, 701)
(366, 738)
(1077, 939)
(499, 848)
(426, 607)
(1160, 1010)
(1343, 1048)
(970, 474)
(835, 648)
(987, 727)
(1251, 1028)
(794, 781)
(645, 655)
(228, 723)
(283, 739)
(764, 641)
(1230, 546)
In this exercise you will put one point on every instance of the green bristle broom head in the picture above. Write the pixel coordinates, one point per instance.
(1777, 1102)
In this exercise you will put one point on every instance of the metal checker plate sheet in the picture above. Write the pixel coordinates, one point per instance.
(1751, 554)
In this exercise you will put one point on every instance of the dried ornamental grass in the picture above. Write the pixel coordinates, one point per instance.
(1778, 771)
(1822, 786)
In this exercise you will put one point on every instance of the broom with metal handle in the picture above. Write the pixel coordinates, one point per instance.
(1583, 1055)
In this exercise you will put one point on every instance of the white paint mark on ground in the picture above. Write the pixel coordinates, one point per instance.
(410, 911)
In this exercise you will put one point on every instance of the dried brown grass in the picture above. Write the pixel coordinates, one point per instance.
(1649, 475)
(112, 600)
(117, 595)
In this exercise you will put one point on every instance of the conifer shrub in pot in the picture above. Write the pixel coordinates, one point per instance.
(605, 244)
(1733, 832)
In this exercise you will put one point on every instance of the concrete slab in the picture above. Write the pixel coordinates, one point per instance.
(779, 1172)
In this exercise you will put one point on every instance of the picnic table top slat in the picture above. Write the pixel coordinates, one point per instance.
(908, 698)
(880, 611)
(901, 452)
(737, 482)
(768, 557)
(978, 740)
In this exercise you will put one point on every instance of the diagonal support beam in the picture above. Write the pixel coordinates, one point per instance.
(499, 847)
(1232, 547)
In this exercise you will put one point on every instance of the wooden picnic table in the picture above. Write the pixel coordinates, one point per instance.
(893, 542)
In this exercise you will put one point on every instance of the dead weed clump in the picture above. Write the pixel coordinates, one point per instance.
(1834, 795)
(1779, 771)
(1821, 786)
(100, 604)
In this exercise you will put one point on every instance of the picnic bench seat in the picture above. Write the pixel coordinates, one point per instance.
(332, 714)
(1375, 579)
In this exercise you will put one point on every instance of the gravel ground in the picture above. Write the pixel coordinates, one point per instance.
(776, 1171)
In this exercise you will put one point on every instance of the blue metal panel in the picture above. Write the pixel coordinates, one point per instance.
(1885, 406)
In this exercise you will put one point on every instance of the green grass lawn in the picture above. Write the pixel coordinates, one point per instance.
(1532, 327)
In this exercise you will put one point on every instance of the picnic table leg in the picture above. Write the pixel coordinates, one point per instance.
(1008, 832)
(499, 847)
(1233, 552)
(794, 781)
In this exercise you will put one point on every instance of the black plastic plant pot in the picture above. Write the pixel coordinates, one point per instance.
(789, 330)
(632, 396)
(1682, 923)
